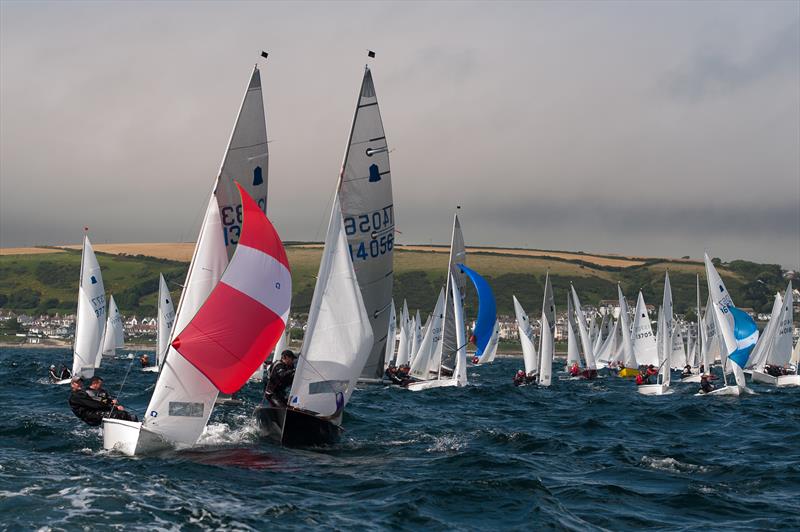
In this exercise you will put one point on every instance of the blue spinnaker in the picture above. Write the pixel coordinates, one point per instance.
(746, 333)
(487, 310)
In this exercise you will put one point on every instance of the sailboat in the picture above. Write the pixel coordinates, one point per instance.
(490, 352)
(573, 353)
(164, 321)
(630, 368)
(183, 397)
(738, 333)
(663, 346)
(459, 377)
(590, 370)
(696, 352)
(526, 338)
(487, 312)
(446, 355)
(547, 333)
(114, 334)
(775, 346)
(365, 197)
(91, 316)
(336, 345)
(423, 367)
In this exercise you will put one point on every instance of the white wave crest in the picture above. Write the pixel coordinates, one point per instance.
(672, 465)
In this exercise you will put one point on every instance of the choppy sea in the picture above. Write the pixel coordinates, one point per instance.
(577, 456)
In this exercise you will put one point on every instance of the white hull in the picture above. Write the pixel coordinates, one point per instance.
(692, 378)
(370, 381)
(783, 380)
(426, 385)
(150, 369)
(121, 436)
(654, 389)
(730, 390)
(63, 381)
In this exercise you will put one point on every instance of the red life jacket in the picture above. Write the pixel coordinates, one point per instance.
(639, 380)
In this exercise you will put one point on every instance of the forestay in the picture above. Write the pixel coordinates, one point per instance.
(91, 316)
(338, 337)
(365, 195)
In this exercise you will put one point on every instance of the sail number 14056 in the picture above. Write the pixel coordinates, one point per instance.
(370, 235)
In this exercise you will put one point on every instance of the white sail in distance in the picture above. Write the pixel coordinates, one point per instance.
(529, 356)
(404, 346)
(421, 366)
(584, 333)
(166, 316)
(458, 255)
(114, 335)
(91, 316)
(629, 357)
(644, 343)
(391, 332)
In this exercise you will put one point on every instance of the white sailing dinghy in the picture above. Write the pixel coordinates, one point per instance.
(114, 334)
(546, 336)
(404, 345)
(90, 318)
(459, 377)
(490, 352)
(630, 367)
(391, 339)
(696, 352)
(738, 333)
(775, 348)
(336, 345)
(164, 321)
(664, 347)
(431, 342)
(646, 349)
(450, 343)
(365, 197)
(183, 397)
(529, 356)
(590, 371)
(573, 354)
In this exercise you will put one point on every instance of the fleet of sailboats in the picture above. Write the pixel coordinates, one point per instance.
(235, 304)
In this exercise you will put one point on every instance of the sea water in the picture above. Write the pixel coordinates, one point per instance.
(579, 455)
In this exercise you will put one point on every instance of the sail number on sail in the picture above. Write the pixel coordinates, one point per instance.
(378, 226)
(99, 305)
(232, 221)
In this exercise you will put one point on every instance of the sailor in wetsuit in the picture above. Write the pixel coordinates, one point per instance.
(53, 374)
(705, 384)
(280, 379)
(91, 410)
(98, 393)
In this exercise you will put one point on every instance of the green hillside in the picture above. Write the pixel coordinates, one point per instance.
(48, 282)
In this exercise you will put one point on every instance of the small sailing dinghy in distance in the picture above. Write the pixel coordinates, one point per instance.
(114, 334)
(775, 349)
(166, 316)
(241, 320)
(336, 346)
(91, 316)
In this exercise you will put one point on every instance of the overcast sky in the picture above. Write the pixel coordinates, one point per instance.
(639, 128)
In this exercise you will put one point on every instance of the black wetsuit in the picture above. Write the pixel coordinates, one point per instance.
(105, 398)
(65, 373)
(54, 376)
(706, 386)
(88, 409)
(279, 383)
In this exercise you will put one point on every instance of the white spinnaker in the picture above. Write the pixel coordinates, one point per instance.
(781, 352)
(421, 367)
(758, 358)
(644, 343)
(404, 346)
(91, 316)
(491, 347)
(584, 333)
(391, 332)
(338, 338)
(629, 356)
(529, 355)
(114, 335)
(183, 397)
(460, 370)
(166, 317)
(547, 352)
(365, 193)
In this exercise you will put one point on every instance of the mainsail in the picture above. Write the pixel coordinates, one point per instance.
(458, 255)
(91, 316)
(529, 356)
(390, 337)
(421, 366)
(404, 345)
(338, 337)
(365, 196)
(644, 343)
(628, 356)
(584, 332)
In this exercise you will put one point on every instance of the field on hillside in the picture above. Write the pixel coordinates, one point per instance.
(47, 282)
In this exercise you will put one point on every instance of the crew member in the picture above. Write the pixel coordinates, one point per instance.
(705, 384)
(687, 371)
(650, 373)
(280, 379)
(144, 360)
(90, 410)
(519, 378)
(574, 370)
(53, 375)
(98, 393)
